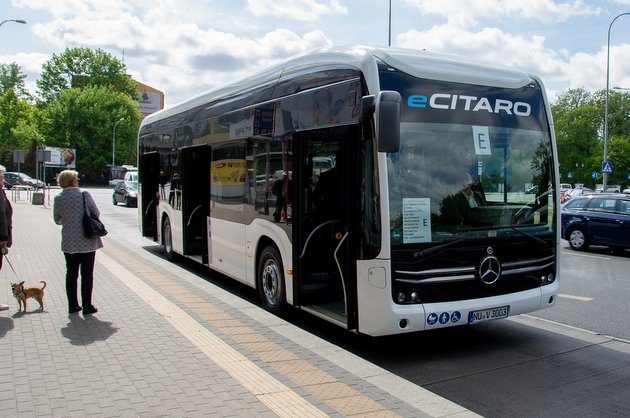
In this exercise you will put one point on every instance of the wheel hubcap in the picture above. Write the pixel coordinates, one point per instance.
(577, 238)
(270, 282)
(167, 238)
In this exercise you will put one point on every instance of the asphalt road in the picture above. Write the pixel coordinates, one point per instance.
(594, 291)
(518, 367)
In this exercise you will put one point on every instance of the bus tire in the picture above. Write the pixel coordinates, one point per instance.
(270, 281)
(167, 239)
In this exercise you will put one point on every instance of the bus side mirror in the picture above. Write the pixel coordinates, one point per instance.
(388, 120)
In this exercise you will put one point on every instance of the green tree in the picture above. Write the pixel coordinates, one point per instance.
(12, 78)
(618, 133)
(83, 118)
(17, 127)
(83, 67)
(577, 127)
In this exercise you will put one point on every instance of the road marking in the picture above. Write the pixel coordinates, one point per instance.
(580, 298)
(271, 392)
(601, 257)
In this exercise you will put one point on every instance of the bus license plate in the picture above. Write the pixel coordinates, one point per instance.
(488, 314)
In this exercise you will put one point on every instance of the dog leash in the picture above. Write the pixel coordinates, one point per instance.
(10, 265)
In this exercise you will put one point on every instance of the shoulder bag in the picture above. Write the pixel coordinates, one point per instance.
(92, 226)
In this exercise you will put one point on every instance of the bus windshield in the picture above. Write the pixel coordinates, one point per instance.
(474, 161)
(443, 187)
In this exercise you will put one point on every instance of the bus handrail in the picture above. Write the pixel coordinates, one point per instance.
(191, 215)
(320, 226)
(343, 280)
(146, 212)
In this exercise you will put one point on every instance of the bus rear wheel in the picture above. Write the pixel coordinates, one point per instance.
(270, 281)
(167, 240)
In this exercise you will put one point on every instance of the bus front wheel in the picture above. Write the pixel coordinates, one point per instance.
(270, 280)
(167, 240)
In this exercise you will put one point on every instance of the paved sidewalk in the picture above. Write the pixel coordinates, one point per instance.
(165, 342)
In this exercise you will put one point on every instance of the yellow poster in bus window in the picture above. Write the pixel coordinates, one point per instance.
(228, 177)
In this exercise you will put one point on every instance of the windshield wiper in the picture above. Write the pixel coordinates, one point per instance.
(528, 235)
(430, 250)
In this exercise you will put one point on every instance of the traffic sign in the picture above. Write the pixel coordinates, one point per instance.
(607, 167)
(595, 174)
(569, 175)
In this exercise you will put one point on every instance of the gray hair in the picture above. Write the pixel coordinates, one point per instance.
(66, 178)
(2, 169)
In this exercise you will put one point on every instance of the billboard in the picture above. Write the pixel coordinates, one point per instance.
(61, 157)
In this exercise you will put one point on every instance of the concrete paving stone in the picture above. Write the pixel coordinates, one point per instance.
(60, 412)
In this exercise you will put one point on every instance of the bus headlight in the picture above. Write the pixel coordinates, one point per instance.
(400, 297)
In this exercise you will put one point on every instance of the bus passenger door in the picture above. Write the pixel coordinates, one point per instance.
(149, 184)
(324, 235)
(196, 200)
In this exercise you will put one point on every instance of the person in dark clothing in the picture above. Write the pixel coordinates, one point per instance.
(6, 224)
(175, 193)
(327, 194)
(162, 180)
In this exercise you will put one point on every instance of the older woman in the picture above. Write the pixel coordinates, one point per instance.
(79, 251)
(6, 216)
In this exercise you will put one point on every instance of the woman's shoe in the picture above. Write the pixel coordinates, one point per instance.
(90, 310)
(74, 309)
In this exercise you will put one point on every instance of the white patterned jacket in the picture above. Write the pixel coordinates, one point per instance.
(68, 212)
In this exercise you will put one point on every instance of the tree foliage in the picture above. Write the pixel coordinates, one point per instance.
(84, 118)
(12, 78)
(83, 67)
(579, 128)
(17, 127)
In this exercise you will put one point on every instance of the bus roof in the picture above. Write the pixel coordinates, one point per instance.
(423, 64)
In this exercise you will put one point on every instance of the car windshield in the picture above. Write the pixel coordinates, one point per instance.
(131, 185)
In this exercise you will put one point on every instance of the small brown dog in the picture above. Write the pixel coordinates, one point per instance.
(22, 293)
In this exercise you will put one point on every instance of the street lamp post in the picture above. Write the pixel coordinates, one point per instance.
(604, 175)
(114, 142)
(13, 20)
(389, 38)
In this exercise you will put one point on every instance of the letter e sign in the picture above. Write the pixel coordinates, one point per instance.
(481, 138)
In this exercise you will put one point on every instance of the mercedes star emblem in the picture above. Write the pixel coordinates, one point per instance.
(489, 270)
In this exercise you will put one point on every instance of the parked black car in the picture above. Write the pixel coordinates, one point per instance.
(126, 192)
(597, 219)
(12, 178)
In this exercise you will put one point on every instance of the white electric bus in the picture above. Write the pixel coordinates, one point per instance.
(381, 189)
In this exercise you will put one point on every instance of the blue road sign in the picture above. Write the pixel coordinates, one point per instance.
(607, 167)
(595, 174)
(569, 175)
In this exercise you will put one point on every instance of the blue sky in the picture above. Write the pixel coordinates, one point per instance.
(183, 47)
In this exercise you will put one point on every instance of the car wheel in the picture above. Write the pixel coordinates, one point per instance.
(127, 202)
(114, 201)
(577, 239)
(270, 281)
(167, 240)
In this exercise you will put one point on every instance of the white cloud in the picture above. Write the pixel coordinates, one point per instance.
(302, 10)
(489, 44)
(30, 64)
(467, 13)
(180, 56)
(558, 70)
(589, 70)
